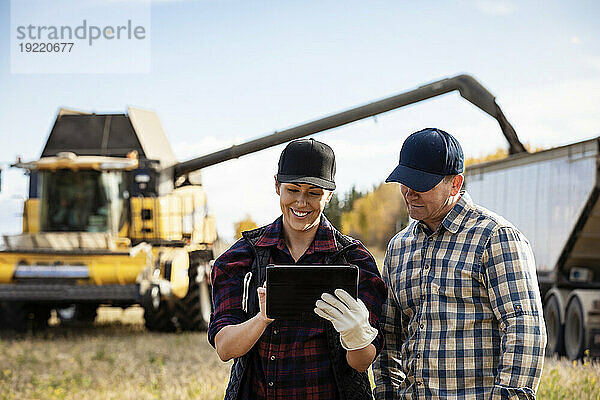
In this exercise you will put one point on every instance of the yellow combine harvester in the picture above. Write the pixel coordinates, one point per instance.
(106, 222)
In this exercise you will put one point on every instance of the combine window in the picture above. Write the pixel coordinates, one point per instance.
(81, 201)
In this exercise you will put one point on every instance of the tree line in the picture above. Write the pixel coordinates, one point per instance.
(373, 216)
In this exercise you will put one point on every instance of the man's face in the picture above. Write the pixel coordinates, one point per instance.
(432, 206)
(301, 204)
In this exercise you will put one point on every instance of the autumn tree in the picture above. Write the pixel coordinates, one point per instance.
(350, 197)
(376, 216)
(244, 225)
(336, 206)
(499, 154)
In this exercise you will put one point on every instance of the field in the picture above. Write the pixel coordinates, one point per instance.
(117, 359)
(114, 359)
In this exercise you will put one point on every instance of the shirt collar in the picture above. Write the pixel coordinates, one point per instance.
(324, 240)
(455, 217)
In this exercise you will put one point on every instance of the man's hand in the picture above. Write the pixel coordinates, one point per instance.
(349, 317)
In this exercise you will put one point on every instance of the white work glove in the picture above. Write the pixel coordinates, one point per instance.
(349, 317)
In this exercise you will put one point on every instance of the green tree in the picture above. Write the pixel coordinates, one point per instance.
(351, 197)
(336, 206)
(333, 210)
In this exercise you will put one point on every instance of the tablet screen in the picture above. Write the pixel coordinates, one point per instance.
(293, 290)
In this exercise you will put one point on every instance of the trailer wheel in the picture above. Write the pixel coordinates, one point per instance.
(554, 329)
(193, 311)
(574, 330)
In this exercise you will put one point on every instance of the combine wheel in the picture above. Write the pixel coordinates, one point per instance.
(22, 317)
(574, 330)
(15, 315)
(40, 317)
(3, 321)
(157, 314)
(159, 319)
(554, 328)
(193, 311)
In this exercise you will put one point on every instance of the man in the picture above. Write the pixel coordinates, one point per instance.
(463, 318)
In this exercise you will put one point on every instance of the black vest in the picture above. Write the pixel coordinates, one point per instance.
(351, 384)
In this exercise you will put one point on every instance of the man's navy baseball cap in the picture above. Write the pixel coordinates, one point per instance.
(426, 157)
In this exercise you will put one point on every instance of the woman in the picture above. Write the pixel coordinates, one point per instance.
(320, 357)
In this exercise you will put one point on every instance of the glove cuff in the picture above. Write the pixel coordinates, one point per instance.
(358, 338)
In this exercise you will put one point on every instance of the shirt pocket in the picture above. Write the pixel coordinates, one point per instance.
(408, 286)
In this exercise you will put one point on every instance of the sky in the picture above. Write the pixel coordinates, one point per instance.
(220, 73)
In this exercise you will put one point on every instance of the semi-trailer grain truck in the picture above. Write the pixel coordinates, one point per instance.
(552, 197)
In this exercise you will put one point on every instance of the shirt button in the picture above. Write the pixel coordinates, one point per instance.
(418, 355)
(430, 238)
(422, 326)
(270, 384)
(272, 358)
(419, 383)
(426, 266)
(275, 331)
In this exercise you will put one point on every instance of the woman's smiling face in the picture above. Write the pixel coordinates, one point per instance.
(301, 204)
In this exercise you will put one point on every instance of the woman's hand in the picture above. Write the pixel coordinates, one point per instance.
(236, 340)
(349, 316)
(262, 300)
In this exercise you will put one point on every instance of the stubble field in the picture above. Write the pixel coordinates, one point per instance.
(117, 358)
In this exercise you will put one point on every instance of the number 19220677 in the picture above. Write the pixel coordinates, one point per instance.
(46, 47)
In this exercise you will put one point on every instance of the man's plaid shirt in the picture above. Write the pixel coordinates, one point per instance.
(463, 319)
(291, 358)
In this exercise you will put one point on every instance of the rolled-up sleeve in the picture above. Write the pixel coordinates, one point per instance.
(227, 280)
(515, 300)
(386, 368)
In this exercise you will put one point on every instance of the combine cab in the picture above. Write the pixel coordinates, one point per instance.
(106, 222)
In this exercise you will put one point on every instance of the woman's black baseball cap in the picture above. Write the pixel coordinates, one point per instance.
(426, 157)
(307, 161)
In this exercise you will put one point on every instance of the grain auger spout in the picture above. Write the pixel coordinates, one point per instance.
(468, 87)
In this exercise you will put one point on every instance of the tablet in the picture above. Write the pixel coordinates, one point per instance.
(293, 290)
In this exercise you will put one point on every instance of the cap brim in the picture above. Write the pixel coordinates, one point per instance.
(322, 183)
(419, 181)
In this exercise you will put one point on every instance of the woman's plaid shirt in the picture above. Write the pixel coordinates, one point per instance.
(291, 358)
(463, 319)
